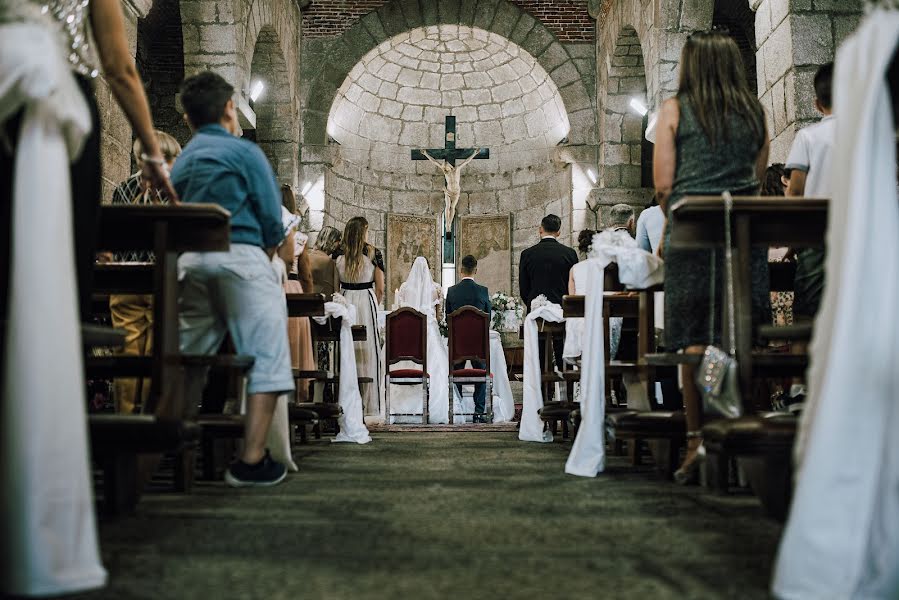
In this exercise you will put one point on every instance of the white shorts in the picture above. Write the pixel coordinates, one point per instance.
(236, 292)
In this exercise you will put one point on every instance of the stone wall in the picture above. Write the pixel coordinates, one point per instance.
(328, 63)
(567, 19)
(160, 62)
(115, 130)
(794, 38)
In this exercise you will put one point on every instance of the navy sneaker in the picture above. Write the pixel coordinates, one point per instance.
(267, 472)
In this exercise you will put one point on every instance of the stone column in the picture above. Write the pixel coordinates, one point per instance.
(115, 130)
(794, 38)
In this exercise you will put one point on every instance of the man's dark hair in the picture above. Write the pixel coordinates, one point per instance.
(469, 264)
(204, 97)
(824, 85)
(551, 224)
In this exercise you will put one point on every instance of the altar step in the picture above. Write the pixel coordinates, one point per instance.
(466, 427)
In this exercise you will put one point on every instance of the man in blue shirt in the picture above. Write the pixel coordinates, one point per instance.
(234, 292)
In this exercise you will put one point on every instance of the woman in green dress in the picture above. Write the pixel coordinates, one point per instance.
(711, 138)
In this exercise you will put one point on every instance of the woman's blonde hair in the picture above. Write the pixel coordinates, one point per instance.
(328, 240)
(354, 244)
(713, 82)
(167, 144)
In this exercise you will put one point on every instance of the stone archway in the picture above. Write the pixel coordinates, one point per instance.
(226, 36)
(276, 129)
(395, 17)
(622, 124)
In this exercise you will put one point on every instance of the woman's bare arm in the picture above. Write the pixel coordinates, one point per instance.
(124, 81)
(664, 160)
(571, 289)
(379, 284)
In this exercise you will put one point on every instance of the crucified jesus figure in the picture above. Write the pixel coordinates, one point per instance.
(453, 188)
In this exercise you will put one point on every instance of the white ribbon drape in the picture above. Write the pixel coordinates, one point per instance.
(49, 540)
(587, 456)
(842, 538)
(351, 422)
(531, 427)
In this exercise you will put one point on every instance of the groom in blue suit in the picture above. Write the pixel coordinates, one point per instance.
(468, 293)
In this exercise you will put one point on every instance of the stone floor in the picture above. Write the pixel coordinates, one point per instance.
(442, 515)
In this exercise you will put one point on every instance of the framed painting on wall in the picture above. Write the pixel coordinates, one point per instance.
(408, 237)
(489, 239)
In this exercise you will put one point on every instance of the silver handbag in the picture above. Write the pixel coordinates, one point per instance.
(718, 377)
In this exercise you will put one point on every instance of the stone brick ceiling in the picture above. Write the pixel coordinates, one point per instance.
(400, 92)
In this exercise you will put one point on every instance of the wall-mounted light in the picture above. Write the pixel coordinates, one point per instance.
(651, 127)
(256, 90)
(592, 176)
(639, 107)
(306, 188)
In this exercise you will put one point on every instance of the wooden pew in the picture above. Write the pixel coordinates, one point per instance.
(128, 447)
(698, 222)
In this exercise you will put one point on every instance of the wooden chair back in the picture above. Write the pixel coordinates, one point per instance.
(407, 337)
(469, 336)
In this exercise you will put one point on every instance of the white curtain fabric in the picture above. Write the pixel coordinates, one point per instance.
(351, 422)
(531, 427)
(842, 538)
(587, 456)
(49, 540)
(421, 293)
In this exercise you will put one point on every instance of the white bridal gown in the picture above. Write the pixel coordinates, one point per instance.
(421, 293)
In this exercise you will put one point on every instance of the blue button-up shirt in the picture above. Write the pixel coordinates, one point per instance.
(217, 167)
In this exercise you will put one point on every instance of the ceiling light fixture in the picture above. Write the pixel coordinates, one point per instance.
(256, 90)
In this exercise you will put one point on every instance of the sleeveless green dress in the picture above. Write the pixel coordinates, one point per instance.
(708, 169)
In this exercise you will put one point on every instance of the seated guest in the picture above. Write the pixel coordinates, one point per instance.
(544, 269)
(322, 267)
(650, 224)
(703, 149)
(621, 218)
(235, 291)
(297, 279)
(134, 312)
(469, 293)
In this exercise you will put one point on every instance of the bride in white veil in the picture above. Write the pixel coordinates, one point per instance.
(421, 293)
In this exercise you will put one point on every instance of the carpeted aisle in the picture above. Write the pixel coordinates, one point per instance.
(442, 515)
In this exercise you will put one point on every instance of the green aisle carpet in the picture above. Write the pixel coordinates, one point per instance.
(442, 515)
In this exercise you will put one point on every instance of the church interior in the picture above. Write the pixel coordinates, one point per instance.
(457, 190)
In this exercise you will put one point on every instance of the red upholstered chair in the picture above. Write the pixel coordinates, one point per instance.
(469, 339)
(407, 341)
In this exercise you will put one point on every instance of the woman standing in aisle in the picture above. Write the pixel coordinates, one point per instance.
(361, 271)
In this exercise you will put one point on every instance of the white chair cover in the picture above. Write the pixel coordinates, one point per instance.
(842, 538)
(351, 422)
(531, 427)
(49, 540)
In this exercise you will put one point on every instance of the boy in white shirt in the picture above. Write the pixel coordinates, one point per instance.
(809, 165)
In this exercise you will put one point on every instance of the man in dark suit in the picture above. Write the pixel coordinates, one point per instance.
(544, 269)
(468, 293)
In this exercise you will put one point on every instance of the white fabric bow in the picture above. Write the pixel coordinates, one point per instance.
(351, 422)
(531, 428)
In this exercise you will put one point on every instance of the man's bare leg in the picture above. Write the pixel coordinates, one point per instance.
(260, 409)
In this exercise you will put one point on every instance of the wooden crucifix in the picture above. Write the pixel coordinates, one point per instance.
(452, 173)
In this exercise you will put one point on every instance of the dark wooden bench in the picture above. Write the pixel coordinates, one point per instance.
(128, 447)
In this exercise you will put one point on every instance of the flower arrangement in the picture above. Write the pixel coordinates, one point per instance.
(507, 312)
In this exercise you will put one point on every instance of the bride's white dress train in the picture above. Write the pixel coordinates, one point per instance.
(421, 293)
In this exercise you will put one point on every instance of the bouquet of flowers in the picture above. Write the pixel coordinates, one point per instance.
(507, 312)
